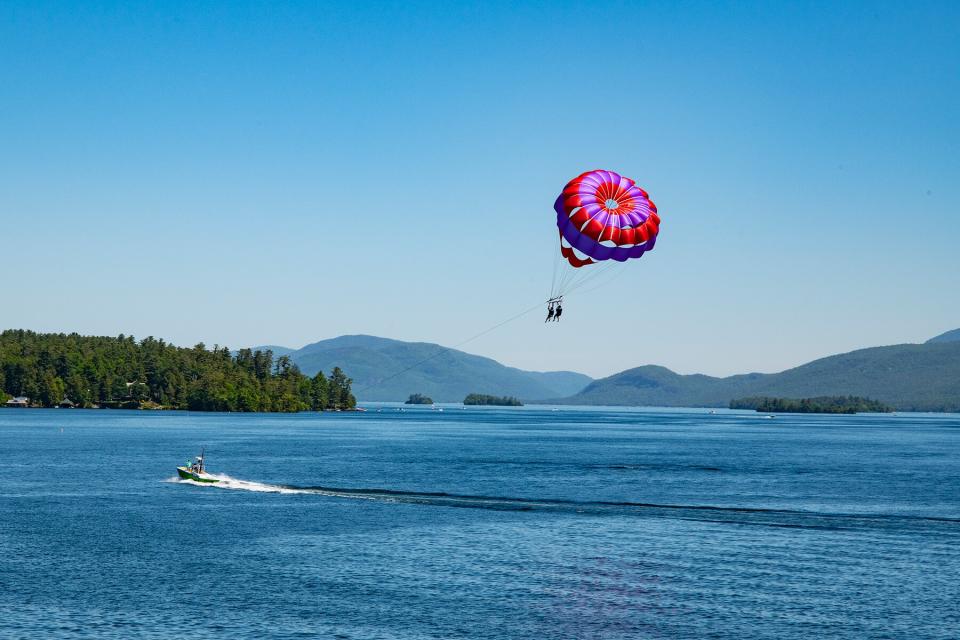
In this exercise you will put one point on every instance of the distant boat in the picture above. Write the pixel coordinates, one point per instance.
(196, 471)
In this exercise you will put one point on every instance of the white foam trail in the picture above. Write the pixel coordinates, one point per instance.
(226, 482)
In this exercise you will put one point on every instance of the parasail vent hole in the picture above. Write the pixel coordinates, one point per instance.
(611, 203)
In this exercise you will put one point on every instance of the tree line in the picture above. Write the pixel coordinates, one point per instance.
(823, 404)
(108, 372)
(484, 399)
(418, 398)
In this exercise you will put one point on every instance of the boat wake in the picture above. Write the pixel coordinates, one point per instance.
(226, 482)
(715, 514)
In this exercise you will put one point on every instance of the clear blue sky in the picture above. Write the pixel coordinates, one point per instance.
(249, 173)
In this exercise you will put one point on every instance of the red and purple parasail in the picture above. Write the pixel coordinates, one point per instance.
(601, 216)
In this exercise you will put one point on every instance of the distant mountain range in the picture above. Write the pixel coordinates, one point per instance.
(391, 370)
(910, 377)
(918, 377)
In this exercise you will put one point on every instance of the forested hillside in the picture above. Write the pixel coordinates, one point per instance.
(386, 369)
(101, 371)
(909, 377)
(949, 336)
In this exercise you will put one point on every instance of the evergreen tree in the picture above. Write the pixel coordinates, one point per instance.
(320, 396)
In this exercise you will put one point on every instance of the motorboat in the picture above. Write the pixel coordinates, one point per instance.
(196, 470)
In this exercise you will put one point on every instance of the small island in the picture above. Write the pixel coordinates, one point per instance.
(418, 398)
(822, 404)
(497, 401)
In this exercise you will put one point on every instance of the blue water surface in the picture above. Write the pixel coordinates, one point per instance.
(480, 523)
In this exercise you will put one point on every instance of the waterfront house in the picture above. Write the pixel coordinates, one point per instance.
(18, 402)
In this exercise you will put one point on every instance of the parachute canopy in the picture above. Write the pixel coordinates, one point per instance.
(601, 216)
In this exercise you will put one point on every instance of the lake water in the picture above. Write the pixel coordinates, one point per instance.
(480, 523)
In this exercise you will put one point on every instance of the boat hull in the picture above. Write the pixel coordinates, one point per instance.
(187, 474)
